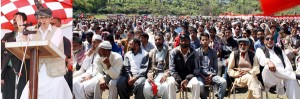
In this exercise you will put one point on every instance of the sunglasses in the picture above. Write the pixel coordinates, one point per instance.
(269, 38)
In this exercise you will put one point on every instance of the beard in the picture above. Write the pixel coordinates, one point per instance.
(159, 45)
(75, 51)
(184, 45)
(117, 36)
(204, 45)
(100, 55)
(269, 45)
(243, 50)
(262, 38)
(132, 49)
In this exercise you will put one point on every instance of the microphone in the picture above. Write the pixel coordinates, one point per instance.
(27, 24)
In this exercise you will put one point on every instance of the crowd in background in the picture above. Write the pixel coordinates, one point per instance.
(224, 36)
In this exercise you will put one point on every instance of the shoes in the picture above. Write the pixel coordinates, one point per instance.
(273, 90)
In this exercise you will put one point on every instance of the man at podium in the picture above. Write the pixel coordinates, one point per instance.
(51, 82)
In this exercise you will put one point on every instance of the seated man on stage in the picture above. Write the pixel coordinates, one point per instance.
(51, 82)
(243, 66)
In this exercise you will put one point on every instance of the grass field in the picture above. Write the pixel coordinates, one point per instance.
(100, 16)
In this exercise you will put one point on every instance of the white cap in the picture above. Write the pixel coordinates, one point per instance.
(97, 37)
(105, 45)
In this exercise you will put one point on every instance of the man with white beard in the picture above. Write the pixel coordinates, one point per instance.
(277, 69)
(243, 66)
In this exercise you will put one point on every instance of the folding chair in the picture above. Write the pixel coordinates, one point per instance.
(234, 86)
(183, 94)
(211, 94)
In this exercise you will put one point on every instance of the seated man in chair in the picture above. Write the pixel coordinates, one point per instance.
(134, 71)
(277, 69)
(184, 67)
(209, 68)
(243, 66)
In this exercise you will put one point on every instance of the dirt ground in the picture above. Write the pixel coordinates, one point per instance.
(240, 94)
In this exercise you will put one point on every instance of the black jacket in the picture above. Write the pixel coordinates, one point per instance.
(7, 55)
(231, 45)
(8, 72)
(180, 69)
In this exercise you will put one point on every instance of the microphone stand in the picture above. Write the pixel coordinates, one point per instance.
(18, 75)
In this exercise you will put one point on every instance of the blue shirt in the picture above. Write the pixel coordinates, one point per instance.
(148, 47)
(178, 30)
(195, 44)
(258, 44)
(116, 49)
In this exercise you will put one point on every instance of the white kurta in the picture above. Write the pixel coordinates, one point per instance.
(83, 90)
(49, 87)
(87, 89)
(282, 76)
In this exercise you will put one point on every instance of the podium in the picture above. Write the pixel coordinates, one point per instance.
(35, 50)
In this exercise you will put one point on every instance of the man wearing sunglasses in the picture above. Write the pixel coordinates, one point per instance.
(277, 69)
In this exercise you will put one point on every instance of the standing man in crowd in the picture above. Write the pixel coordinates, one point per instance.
(67, 50)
